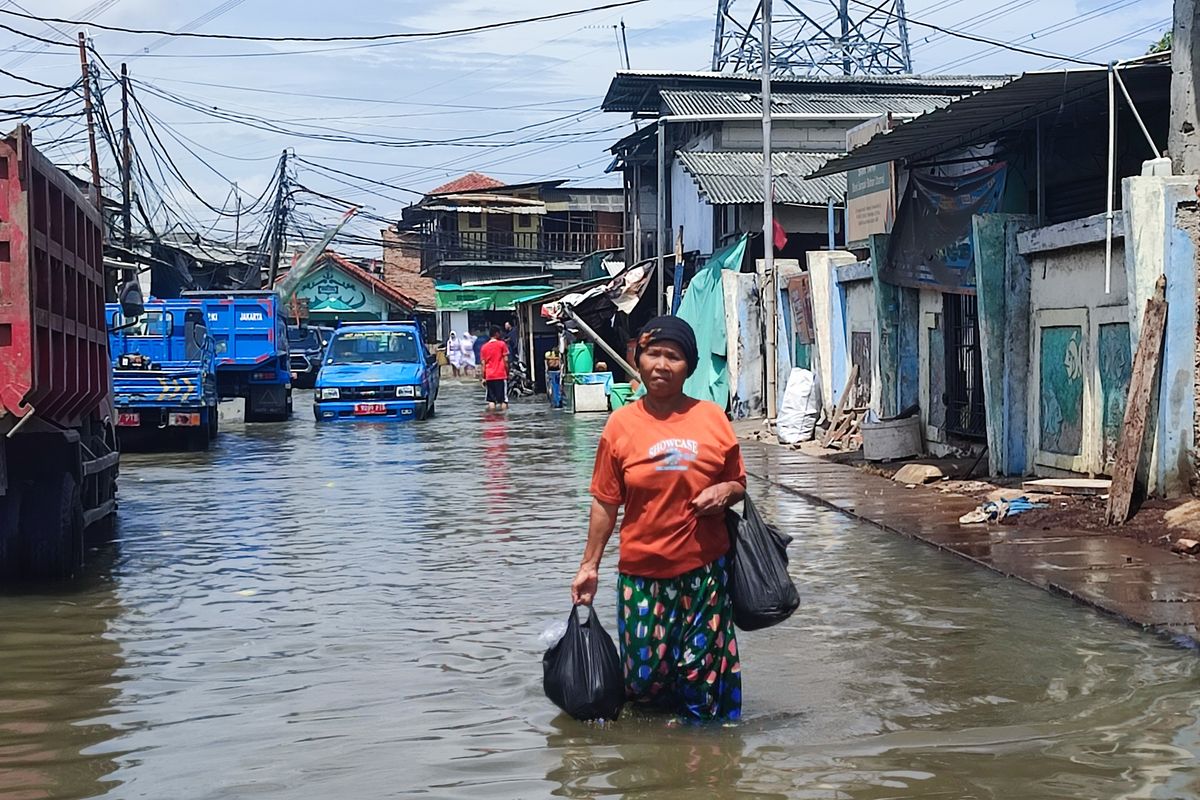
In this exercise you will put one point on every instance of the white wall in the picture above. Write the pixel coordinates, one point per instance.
(691, 211)
(860, 318)
(822, 267)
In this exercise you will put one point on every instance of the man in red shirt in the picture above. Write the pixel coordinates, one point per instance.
(494, 357)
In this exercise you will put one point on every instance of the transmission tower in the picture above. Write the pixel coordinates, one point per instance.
(851, 37)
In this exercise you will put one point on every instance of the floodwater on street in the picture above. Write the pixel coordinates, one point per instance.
(354, 611)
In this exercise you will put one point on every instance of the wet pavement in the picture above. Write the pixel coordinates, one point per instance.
(354, 611)
(1137, 582)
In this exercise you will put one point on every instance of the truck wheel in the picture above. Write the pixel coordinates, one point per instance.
(214, 423)
(199, 438)
(52, 527)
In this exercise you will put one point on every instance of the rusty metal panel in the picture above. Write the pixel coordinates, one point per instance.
(53, 343)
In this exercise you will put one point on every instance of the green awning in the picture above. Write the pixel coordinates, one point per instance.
(494, 297)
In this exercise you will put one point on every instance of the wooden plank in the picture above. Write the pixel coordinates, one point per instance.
(1082, 486)
(840, 411)
(1146, 364)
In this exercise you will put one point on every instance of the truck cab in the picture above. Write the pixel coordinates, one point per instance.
(164, 371)
(379, 370)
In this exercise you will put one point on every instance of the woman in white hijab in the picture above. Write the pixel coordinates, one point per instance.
(454, 353)
(466, 343)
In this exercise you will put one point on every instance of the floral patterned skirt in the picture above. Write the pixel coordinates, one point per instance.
(678, 643)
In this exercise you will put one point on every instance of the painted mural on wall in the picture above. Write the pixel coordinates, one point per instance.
(931, 244)
(1061, 418)
(1116, 368)
(331, 291)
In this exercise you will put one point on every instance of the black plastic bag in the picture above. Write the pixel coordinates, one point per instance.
(762, 592)
(582, 673)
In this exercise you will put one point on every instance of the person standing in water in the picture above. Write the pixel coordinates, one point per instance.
(494, 359)
(675, 465)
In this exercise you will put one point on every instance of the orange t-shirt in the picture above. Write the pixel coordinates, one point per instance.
(655, 468)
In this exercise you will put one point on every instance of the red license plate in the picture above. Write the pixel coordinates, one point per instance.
(129, 419)
(370, 408)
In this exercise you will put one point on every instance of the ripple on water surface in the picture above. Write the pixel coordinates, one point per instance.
(354, 611)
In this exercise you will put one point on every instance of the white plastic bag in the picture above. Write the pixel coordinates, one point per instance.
(553, 632)
(800, 409)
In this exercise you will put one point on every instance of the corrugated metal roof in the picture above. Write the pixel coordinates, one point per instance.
(637, 91)
(732, 178)
(699, 102)
(981, 117)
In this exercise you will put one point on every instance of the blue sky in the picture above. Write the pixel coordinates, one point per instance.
(549, 75)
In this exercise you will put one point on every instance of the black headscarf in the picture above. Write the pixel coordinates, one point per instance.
(671, 329)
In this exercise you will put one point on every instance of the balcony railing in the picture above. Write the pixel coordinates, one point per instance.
(508, 246)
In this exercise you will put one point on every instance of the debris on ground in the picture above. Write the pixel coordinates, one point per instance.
(996, 510)
(1186, 546)
(1082, 486)
(918, 474)
(1186, 516)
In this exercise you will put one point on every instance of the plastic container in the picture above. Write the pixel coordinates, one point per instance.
(580, 358)
(620, 394)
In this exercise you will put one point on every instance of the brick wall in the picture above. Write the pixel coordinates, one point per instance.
(402, 267)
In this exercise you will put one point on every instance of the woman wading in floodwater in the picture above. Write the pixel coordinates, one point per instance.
(675, 465)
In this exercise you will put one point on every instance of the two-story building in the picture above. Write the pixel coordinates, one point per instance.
(707, 179)
(485, 242)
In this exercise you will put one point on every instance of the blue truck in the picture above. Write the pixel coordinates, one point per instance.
(251, 339)
(378, 370)
(164, 372)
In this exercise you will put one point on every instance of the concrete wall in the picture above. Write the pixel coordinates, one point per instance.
(794, 219)
(861, 321)
(821, 136)
(832, 357)
(931, 355)
(1161, 244)
(1002, 278)
(743, 329)
(1080, 349)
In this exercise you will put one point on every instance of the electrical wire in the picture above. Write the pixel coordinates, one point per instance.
(378, 37)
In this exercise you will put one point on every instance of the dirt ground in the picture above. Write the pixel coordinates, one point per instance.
(1153, 521)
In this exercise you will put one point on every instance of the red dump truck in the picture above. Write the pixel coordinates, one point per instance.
(58, 446)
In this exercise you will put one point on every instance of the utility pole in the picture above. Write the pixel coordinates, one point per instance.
(91, 126)
(625, 45)
(126, 160)
(280, 221)
(237, 219)
(766, 279)
(1183, 143)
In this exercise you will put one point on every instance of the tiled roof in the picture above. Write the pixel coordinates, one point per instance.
(471, 182)
(362, 275)
(733, 178)
(865, 104)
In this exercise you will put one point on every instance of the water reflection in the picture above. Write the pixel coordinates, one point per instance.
(59, 669)
(353, 611)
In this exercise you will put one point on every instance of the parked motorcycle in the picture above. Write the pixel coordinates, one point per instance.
(520, 383)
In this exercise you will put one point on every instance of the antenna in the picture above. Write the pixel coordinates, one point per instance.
(852, 37)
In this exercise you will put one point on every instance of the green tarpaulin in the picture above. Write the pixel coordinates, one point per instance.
(703, 307)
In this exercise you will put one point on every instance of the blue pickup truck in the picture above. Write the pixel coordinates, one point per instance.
(164, 372)
(378, 370)
(252, 350)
